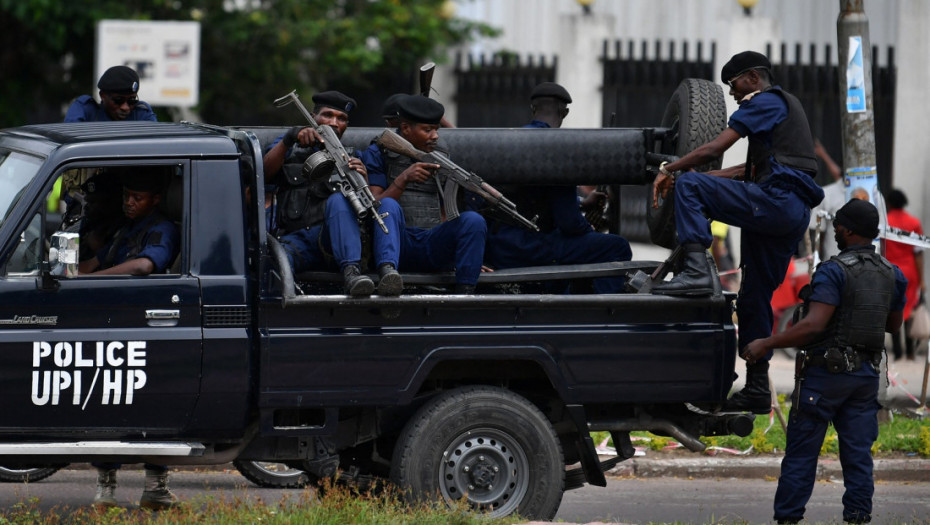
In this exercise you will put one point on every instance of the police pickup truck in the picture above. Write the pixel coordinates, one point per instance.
(228, 355)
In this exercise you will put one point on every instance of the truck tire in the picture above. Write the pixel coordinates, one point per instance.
(486, 444)
(272, 475)
(696, 114)
(28, 474)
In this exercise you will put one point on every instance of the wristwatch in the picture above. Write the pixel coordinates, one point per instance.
(664, 171)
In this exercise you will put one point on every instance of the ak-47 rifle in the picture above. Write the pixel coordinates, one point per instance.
(351, 183)
(456, 177)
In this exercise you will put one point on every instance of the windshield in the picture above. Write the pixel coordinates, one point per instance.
(16, 172)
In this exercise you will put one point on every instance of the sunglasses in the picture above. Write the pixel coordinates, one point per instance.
(741, 73)
(119, 101)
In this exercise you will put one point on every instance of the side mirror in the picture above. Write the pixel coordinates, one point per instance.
(63, 254)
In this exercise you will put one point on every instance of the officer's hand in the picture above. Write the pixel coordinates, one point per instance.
(754, 351)
(359, 166)
(419, 172)
(594, 200)
(308, 137)
(661, 186)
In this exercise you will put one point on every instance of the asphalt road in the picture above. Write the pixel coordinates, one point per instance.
(639, 500)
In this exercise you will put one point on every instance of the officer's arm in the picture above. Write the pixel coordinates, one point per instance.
(707, 152)
(137, 266)
(893, 323)
(805, 331)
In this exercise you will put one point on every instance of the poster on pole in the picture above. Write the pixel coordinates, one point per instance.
(862, 183)
(855, 77)
(166, 54)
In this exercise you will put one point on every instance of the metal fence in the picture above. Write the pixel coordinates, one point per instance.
(494, 92)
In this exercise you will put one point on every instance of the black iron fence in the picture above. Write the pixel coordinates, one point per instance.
(494, 92)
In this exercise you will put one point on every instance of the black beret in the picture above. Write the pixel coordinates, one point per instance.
(860, 217)
(151, 181)
(335, 100)
(102, 184)
(417, 108)
(743, 62)
(119, 79)
(389, 109)
(551, 89)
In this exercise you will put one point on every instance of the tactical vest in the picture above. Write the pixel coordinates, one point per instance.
(792, 144)
(859, 320)
(301, 203)
(420, 200)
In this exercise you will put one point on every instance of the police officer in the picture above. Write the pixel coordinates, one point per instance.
(855, 297)
(430, 243)
(771, 206)
(320, 230)
(119, 99)
(564, 236)
(147, 241)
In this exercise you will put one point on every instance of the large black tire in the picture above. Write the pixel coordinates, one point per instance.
(486, 444)
(272, 475)
(27, 474)
(696, 114)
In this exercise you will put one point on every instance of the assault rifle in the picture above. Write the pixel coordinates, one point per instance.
(456, 177)
(351, 183)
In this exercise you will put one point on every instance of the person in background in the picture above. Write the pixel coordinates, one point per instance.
(911, 261)
(119, 99)
(855, 297)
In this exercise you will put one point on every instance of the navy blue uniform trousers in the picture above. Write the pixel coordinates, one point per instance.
(850, 402)
(772, 220)
(457, 244)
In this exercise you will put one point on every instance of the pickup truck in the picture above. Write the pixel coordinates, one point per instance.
(230, 356)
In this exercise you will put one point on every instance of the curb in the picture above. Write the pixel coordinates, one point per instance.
(761, 468)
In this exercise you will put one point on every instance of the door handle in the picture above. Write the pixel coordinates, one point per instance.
(162, 317)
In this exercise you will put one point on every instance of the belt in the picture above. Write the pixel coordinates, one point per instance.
(853, 359)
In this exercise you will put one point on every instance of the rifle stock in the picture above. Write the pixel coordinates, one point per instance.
(457, 177)
(351, 183)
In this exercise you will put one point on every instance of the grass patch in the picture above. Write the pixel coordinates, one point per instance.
(901, 435)
(336, 506)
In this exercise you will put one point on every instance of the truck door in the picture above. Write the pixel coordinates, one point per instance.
(116, 356)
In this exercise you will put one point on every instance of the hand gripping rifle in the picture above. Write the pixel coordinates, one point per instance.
(351, 183)
(457, 176)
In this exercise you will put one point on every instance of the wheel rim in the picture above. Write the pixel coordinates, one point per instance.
(489, 467)
(277, 469)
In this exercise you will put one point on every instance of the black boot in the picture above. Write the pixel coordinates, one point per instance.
(755, 397)
(390, 283)
(357, 285)
(695, 279)
(464, 289)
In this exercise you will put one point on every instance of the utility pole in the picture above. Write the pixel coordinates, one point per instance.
(857, 117)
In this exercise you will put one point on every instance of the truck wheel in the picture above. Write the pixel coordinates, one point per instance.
(695, 115)
(28, 474)
(486, 444)
(272, 475)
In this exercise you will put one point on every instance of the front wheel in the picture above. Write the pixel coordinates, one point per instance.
(272, 475)
(27, 474)
(486, 444)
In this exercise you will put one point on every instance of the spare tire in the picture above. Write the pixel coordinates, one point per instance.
(695, 115)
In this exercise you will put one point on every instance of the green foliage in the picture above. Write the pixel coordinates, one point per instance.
(337, 506)
(924, 447)
(249, 56)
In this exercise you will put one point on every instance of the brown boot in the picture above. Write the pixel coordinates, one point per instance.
(156, 495)
(106, 489)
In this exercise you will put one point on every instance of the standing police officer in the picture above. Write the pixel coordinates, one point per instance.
(119, 100)
(855, 298)
(771, 207)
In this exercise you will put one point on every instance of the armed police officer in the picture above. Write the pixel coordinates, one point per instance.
(564, 236)
(855, 297)
(771, 205)
(119, 99)
(320, 230)
(430, 242)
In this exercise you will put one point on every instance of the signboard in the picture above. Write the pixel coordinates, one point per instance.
(166, 55)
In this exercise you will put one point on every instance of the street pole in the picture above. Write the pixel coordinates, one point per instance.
(857, 118)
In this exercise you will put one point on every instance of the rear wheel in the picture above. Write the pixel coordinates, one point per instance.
(488, 445)
(27, 474)
(695, 115)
